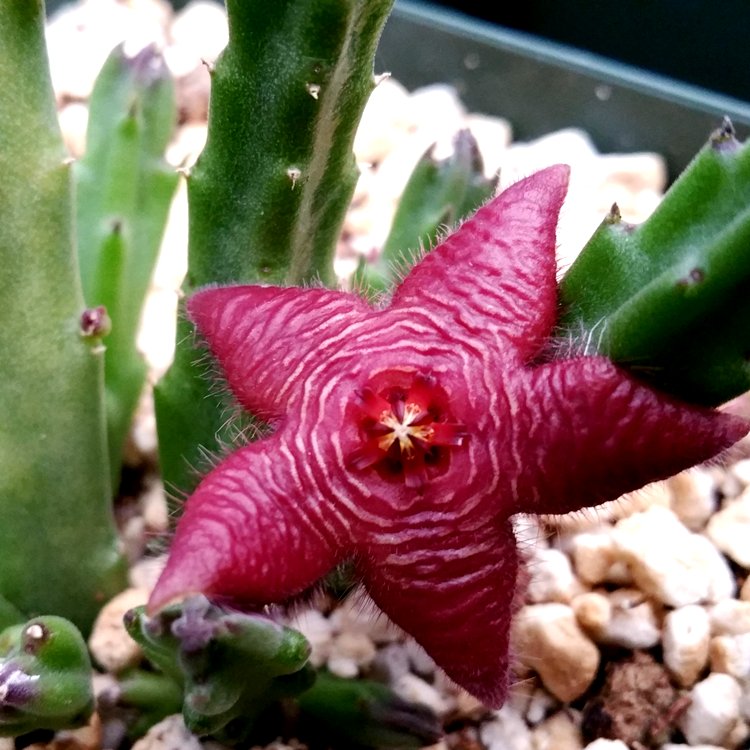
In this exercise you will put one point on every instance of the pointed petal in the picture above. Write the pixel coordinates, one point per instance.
(249, 533)
(266, 337)
(454, 593)
(496, 273)
(596, 433)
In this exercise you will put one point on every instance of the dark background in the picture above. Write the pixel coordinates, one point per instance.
(704, 42)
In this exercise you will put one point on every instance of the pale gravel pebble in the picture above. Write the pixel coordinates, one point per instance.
(596, 558)
(153, 504)
(730, 654)
(741, 470)
(602, 744)
(168, 734)
(506, 731)
(350, 653)
(421, 662)
(557, 732)
(109, 642)
(730, 617)
(552, 577)
(713, 711)
(197, 33)
(688, 570)
(540, 706)
(547, 639)
(729, 529)
(623, 618)
(390, 663)
(144, 574)
(81, 36)
(685, 643)
(693, 497)
(409, 687)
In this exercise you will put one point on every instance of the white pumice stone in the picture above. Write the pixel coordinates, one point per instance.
(552, 578)
(548, 639)
(687, 570)
(730, 617)
(602, 744)
(541, 705)
(729, 530)
(413, 688)
(109, 642)
(355, 646)
(731, 654)
(593, 610)
(558, 732)
(693, 497)
(713, 711)
(633, 622)
(169, 734)
(685, 643)
(198, 33)
(506, 731)
(384, 122)
(594, 554)
(741, 470)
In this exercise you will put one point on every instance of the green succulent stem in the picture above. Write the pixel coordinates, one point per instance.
(229, 665)
(670, 298)
(124, 190)
(269, 193)
(367, 713)
(54, 472)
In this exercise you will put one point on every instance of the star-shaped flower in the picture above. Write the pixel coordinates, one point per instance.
(406, 437)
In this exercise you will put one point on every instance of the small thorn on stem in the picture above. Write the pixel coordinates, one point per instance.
(723, 138)
(614, 216)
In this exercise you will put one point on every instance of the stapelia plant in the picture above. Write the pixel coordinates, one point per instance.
(406, 436)
(57, 534)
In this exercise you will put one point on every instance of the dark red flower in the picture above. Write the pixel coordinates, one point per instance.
(406, 437)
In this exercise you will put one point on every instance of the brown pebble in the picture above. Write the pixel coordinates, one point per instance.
(633, 702)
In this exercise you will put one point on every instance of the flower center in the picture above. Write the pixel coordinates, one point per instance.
(405, 427)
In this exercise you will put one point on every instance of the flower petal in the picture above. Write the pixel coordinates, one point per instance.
(266, 337)
(495, 275)
(594, 433)
(247, 535)
(453, 591)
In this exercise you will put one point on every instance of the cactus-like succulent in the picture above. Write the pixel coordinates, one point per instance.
(54, 472)
(269, 192)
(669, 298)
(230, 665)
(123, 193)
(406, 436)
